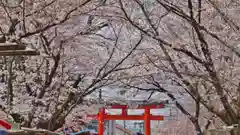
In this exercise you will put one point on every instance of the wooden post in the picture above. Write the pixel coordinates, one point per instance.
(101, 121)
(147, 122)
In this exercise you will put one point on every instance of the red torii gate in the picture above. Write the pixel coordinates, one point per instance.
(146, 117)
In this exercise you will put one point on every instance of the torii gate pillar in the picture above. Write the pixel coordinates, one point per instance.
(101, 121)
(147, 122)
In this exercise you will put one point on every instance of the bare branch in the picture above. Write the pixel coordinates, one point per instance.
(45, 6)
(142, 29)
(232, 25)
(105, 74)
(65, 18)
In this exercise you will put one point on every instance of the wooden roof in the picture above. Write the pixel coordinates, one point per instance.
(13, 49)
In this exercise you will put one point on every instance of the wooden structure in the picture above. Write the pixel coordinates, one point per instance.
(29, 131)
(146, 117)
(13, 49)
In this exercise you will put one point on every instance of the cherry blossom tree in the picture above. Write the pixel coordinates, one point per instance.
(189, 51)
(80, 53)
(192, 53)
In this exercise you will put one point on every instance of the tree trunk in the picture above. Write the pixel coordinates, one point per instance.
(236, 131)
(51, 125)
(197, 127)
